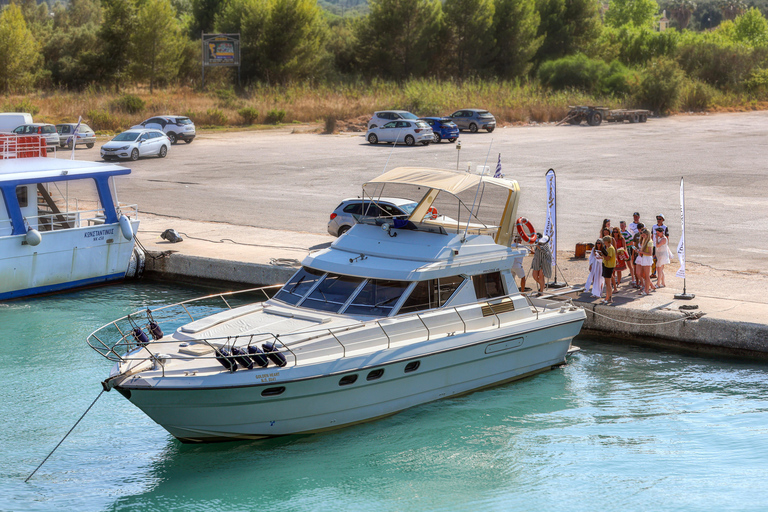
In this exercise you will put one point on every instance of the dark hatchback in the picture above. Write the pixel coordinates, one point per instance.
(443, 128)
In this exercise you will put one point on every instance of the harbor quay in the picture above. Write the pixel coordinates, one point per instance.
(251, 205)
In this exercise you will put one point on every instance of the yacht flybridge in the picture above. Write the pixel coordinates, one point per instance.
(50, 239)
(395, 313)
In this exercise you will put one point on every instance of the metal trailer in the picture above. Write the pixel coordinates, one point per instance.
(596, 115)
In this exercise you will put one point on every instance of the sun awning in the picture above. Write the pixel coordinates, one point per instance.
(453, 182)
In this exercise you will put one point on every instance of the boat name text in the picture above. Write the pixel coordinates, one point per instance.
(99, 234)
(269, 377)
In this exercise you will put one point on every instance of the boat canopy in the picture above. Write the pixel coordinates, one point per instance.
(454, 182)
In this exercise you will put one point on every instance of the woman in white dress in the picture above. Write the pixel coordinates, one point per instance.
(595, 277)
(662, 256)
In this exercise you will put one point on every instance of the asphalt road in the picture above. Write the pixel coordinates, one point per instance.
(284, 180)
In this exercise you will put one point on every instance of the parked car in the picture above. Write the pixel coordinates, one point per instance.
(443, 128)
(409, 132)
(175, 127)
(343, 218)
(474, 119)
(10, 120)
(384, 116)
(47, 131)
(84, 135)
(134, 143)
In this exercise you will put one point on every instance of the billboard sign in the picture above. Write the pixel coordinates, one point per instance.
(221, 49)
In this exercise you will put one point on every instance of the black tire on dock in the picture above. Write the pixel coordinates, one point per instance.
(595, 118)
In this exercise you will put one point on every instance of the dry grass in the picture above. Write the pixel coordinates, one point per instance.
(347, 103)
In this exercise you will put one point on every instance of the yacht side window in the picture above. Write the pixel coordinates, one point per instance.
(22, 196)
(488, 286)
(298, 286)
(377, 298)
(332, 293)
(431, 294)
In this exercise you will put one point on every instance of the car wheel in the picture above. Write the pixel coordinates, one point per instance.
(409, 140)
(135, 154)
(490, 129)
(473, 128)
(343, 229)
(373, 139)
(171, 137)
(163, 151)
(452, 140)
(438, 138)
(89, 145)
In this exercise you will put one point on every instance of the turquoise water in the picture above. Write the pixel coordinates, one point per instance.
(620, 428)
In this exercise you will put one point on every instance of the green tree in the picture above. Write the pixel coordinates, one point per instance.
(73, 45)
(515, 28)
(204, 13)
(248, 18)
(19, 51)
(732, 8)
(399, 38)
(568, 26)
(639, 13)
(116, 54)
(751, 28)
(681, 11)
(159, 40)
(469, 24)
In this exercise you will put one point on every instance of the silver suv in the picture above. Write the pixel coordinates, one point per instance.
(343, 217)
(474, 119)
(175, 127)
(384, 116)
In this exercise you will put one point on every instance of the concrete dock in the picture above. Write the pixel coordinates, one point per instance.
(731, 318)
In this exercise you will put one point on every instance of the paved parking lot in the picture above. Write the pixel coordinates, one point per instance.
(284, 180)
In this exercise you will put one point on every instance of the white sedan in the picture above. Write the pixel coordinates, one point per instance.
(401, 131)
(135, 143)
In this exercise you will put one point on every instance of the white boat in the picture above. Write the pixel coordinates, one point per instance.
(388, 317)
(51, 240)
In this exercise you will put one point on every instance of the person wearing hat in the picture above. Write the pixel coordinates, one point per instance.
(659, 224)
(542, 261)
(609, 263)
(662, 255)
(633, 229)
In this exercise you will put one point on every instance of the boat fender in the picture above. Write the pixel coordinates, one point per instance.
(241, 357)
(274, 354)
(154, 328)
(125, 227)
(140, 336)
(521, 223)
(33, 237)
(223, 357)
(258, 356)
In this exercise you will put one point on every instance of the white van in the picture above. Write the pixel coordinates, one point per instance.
(10, 120)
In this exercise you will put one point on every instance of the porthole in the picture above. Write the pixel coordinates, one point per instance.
(273, 391)
(348, 379)
(375, 374)
(412, 366)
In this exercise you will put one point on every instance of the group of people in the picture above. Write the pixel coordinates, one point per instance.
(641, 250)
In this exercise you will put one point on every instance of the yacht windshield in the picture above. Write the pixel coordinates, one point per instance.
(377, 298)
(332, 293)
(295, 289)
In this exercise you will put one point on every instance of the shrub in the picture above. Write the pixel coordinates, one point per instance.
(24, 105)
(249, 115)
(227, 99)
(660, 85)
(275, 116)
(128, 103)
(103, 120)
(696, 96)
(724, 66)
(617, 80)
(575, 71)
(214, 117)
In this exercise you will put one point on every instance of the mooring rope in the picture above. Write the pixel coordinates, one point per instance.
(67, 434)
(688, 316)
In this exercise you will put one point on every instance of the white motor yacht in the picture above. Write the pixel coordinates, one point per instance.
(60, 225)
(391, 315)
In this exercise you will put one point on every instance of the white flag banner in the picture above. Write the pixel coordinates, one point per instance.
(551, 228)
(681, 245)
(73, 138)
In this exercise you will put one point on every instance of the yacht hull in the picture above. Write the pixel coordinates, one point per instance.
(447, 367)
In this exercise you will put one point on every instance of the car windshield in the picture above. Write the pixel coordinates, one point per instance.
(408, 207)
(408, 115)
(126, 136)
(183, 120)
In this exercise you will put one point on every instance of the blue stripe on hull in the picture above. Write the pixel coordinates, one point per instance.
(60, 286)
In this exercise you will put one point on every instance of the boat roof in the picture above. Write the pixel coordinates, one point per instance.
(453, 182)
(43, 169)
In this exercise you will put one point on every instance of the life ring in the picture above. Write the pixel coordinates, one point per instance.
(522, 221)
(432, 213)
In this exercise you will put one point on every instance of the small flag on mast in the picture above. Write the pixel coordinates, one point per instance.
(498, 173)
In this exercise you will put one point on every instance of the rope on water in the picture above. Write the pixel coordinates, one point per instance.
(688, 316)
(62, 439)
